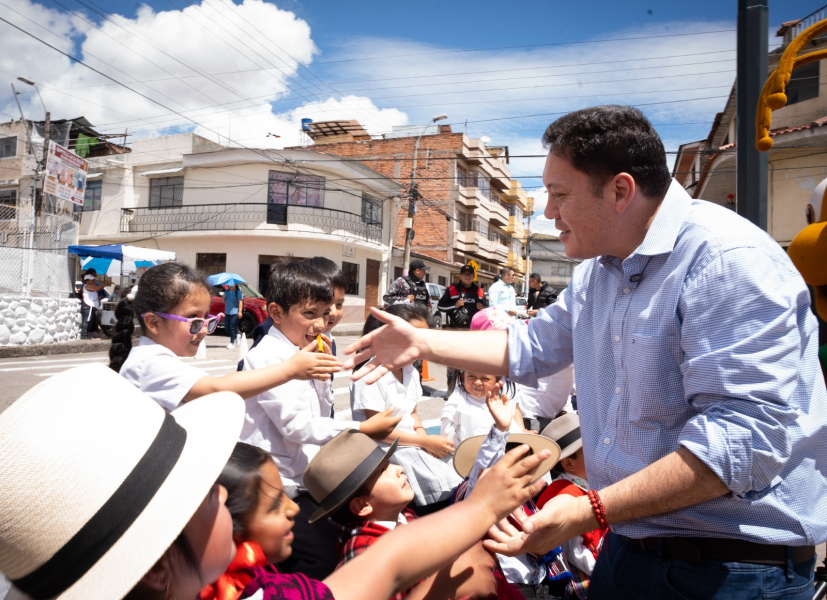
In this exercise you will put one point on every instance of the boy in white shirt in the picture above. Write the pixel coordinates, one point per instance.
(291, 422)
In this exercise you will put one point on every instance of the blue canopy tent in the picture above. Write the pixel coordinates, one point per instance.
(119, 259)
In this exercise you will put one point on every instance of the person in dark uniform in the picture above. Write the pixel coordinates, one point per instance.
(411, 287)
(462, 300)
(540, 296)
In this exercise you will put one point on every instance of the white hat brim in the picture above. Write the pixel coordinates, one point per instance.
(466, 453)
(213, 424)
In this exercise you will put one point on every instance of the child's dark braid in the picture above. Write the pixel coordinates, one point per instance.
(122, 340)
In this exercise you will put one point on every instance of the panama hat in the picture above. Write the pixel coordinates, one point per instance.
(565, 430)
(95, 487)
(340, 468)
(466, 453)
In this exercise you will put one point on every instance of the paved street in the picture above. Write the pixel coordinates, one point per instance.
(21, 374)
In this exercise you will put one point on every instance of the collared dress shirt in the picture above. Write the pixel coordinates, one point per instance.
(703, 338)
(502, 295)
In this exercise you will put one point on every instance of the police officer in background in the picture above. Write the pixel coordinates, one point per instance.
(540, 296)
(462, 300)
(411, 287)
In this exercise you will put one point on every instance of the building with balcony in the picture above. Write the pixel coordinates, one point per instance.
(469, 207)
(548, 258)
(798, 158)
(241, 210)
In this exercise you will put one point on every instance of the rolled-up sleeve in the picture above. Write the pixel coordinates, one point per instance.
(741, 367)
(543, 346)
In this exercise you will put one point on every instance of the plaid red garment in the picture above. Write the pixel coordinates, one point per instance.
(269, 584)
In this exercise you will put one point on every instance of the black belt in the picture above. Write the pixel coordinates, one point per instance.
(694, 550)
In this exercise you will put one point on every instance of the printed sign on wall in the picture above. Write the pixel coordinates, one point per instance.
(65, 174)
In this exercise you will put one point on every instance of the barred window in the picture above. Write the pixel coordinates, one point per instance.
(481, 226)
(8, 146)
(296, 190)
(92, 196)
(166, 192)
(515, 211)
(464, 221)
(371, 210)
(8, 197)
(462, 176)
(351, 271)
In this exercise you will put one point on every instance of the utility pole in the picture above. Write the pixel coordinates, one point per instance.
(528, 250)
(27, 277)
(413, 196)
(751, 165)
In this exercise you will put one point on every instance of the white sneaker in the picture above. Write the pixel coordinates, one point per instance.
(230, 346)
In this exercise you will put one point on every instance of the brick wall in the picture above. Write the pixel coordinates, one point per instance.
(435, 178)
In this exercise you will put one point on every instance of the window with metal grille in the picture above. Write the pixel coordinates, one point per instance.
(351, 271)
(166, 192)
(210, 263)
(8, 197)
(803, 84)
(8, 146)
(480, 226)
(462, 176)
(371, 210)
(92, 196)
(295, 190)
(515, 211)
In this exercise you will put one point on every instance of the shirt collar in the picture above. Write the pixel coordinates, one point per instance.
(392, 524)
(280, 336)
(665, 227)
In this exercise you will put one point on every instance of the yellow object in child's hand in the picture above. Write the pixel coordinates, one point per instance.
(320, 344)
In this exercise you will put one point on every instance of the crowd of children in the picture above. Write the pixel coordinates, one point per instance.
(306, 506)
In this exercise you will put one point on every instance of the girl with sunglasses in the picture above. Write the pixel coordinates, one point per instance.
(172, 304)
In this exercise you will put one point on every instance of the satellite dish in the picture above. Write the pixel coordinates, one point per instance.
(485, 139)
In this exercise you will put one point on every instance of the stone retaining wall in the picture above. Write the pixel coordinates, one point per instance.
(25, 321)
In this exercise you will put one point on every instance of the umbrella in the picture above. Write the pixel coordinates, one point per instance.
(225, 279)
(113, 267)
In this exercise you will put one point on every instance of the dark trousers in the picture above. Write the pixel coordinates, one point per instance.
(90, 321)
(536, 424)
(231, 324)
(314, 546)
(625, 571)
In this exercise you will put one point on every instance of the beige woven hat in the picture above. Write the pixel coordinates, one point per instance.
(466, 453)
(565, 430)
(96, 484)
(340, 468)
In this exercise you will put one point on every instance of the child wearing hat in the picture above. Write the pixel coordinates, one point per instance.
(355, 483)
(581, 551)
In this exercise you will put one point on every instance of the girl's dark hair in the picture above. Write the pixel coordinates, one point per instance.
(242, 480)
(509, 387)
(329, 269)
(405, 310)
(293, 282)
(160, 289)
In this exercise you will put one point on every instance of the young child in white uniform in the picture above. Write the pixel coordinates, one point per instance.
(425, 458)
(172, 305)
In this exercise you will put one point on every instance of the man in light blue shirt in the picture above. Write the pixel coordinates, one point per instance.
(703, 411)
(502, 294)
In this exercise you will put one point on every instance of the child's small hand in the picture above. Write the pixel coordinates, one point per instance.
(313, 365)
(314, 346)
(380, 425)
(437, 445)
(508, 484)
(499, 407)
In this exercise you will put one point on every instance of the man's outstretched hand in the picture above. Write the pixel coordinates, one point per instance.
(392, 346)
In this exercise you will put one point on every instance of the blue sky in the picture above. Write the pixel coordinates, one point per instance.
(241, 70)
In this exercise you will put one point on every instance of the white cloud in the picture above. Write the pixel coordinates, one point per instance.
(539, 224)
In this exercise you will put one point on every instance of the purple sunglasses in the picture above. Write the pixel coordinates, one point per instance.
(196, 324)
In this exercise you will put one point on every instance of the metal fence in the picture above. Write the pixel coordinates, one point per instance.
(36, 262)
(212, 217)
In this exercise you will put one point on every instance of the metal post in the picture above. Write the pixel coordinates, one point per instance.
(751, 165)
(409, 231)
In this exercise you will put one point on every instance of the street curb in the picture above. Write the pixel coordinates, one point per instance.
(73, 347)
(344, 329)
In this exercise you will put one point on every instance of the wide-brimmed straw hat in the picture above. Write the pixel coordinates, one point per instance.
(340, 468)
(466, 453)
(96, 485)
(565, 430)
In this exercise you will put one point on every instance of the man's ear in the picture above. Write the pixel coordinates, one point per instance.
(622, 188)
(360, 507)
(276, 312)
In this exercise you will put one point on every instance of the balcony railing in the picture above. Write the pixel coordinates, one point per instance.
(262, 216)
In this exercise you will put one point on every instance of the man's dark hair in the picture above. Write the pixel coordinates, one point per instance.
(292, 282)
(329, 269)
(505, 271)
(535, 277)
(603, 141)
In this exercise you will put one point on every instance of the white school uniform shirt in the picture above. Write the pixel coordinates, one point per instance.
(290, 422)
(160, 373)
(464, 416)
(387, 393)
(550, 395)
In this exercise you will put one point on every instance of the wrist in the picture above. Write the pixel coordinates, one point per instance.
(587, 517)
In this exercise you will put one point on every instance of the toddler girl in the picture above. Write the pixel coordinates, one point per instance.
(425, 458)
(263, 517)
(172, 304)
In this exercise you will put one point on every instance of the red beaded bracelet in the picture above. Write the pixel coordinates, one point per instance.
(598, 508)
